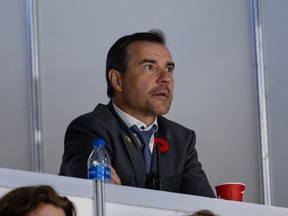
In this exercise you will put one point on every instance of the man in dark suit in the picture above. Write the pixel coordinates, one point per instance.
(139, 74)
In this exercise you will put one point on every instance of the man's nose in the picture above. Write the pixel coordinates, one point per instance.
(165, 76)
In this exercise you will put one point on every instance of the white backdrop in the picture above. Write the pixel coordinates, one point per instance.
(215, 78)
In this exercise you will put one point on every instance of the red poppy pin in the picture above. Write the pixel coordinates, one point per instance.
(163, 144)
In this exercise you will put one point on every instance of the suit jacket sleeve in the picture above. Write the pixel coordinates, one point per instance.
(180, 168)
(78, 146)
(78, 143)
(194, 178)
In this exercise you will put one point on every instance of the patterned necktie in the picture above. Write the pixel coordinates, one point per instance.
(145, 137)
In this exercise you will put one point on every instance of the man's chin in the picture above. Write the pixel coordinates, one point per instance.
(163, 110)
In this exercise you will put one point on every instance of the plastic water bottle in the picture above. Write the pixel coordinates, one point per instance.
(99, 162)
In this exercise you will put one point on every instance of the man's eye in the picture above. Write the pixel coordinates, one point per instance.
(149, 67)
(170, 69)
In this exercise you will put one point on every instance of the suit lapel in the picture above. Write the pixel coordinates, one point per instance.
(133, 149)
(160, 158)
(160, 162)
(136, 157)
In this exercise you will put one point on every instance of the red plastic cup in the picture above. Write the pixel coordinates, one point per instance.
(231, 191)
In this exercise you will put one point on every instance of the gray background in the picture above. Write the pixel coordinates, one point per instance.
(215, 79)
(275, 17)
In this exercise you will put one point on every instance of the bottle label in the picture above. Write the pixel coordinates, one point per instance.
(99, 172)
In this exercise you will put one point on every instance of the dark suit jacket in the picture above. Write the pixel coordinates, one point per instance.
(179, 168)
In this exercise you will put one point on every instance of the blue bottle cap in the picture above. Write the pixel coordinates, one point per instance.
(98, 142)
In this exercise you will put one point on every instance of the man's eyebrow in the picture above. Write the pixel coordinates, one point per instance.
(171, 64)
(147, 61)
(153, 61)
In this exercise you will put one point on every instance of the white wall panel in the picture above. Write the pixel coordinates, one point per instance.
(15, 127)
(275, 19)
(215, 83)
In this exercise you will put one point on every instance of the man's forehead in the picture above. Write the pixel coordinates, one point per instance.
(149, 48)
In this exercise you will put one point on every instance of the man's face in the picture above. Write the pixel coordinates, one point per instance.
(147, 86)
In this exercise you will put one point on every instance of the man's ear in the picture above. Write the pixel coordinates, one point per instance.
(115, 79)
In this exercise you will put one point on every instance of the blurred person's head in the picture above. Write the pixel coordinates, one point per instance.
(203, 212)
(40, 200)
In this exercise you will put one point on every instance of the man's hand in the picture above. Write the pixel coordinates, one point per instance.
(114, 177)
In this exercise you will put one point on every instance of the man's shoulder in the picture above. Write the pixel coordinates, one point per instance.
(100, 110)
(101, 113)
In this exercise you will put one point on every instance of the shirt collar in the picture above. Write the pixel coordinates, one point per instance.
(130, 120)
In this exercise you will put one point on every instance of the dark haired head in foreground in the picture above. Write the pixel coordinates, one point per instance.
(203, 212)
(35, 201)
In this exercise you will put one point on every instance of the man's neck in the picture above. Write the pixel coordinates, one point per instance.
(130, 119)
